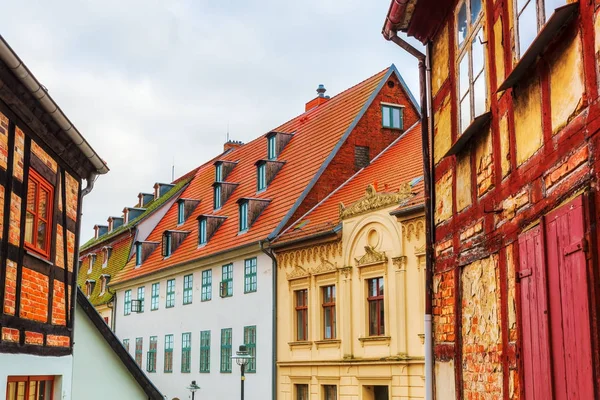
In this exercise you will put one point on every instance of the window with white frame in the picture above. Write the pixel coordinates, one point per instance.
(530, 16)
(392, 116)
(472, 91)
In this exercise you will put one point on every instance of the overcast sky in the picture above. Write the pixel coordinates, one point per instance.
(148, 82)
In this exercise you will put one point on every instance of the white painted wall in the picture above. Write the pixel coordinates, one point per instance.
(232, 312)
(98, 373)
(23, 364)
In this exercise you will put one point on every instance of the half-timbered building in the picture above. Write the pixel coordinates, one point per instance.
(514, 116)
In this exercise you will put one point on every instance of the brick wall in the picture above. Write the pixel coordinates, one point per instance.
(34, 296)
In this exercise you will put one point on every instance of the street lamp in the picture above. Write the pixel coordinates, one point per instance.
(242, 358)
(192, 388)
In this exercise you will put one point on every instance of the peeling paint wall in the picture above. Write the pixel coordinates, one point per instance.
(528, 119)
(442, 130)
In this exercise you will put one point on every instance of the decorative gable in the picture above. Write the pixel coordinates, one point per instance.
(375, 201)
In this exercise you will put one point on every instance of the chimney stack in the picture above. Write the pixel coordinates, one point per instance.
(317, 101)
(232, 144)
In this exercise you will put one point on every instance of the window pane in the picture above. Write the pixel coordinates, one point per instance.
(41, 235)
(380, 282)
(395, 117)
(31, 191)
(372, 317)
(478, 55)
(475, 10)
(479, 92)
(462, 23)
(465, 113)
(527, 27)
(386, 116)
(29, 227)
(551, 5)
(43, 204)
(463, 71)
(522, 3)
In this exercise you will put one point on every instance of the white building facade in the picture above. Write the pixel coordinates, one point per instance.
(195, 341)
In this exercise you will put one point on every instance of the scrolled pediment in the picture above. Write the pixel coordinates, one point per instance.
(371, 256)
(372, 200)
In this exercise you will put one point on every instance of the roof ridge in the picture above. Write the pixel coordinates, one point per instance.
(347, 180)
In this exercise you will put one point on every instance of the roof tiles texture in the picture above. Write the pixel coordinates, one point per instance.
(400, 163)
(317, 134)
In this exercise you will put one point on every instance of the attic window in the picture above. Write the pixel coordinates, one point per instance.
(202, 231)
(166, 244)
(103, 283)
(222, 192)
(392, 116)
(261, 178)
(207, 226)
(243, 217)
(89, 287)
(106, 251)
(249, 210)
(219, 173)
(143, 250)
(276, 141)
(185, 207)
(138, 254)
(271, 148)
(222, 169)
(218, 196)
(92, 261)
(180, 212)
(171, 241)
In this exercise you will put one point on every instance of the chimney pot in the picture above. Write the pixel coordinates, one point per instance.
(320, 99)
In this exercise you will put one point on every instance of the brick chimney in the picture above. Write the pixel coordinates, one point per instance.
(320, 99)
(232, 144)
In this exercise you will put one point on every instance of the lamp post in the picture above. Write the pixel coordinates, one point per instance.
(242, 358)
(192, 388)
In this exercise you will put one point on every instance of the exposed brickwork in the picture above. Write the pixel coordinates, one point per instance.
(58, 304)
(58, 341)
(10, 288)
(59, 258)
(443, 307)
(369, 133)
(34, 338)
(482, 341)
(563, 169)
(10, 335)
(14, 230)
(1, 211)
(70, 249)
(72, 196)
(483, 163)
(34, 296)
(45, 157)
(19, 154)
(443, 198)
(471, 231)
(3, 141)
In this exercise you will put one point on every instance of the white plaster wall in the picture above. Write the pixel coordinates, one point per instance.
(24, 364)
(232, 312)
(98, 373)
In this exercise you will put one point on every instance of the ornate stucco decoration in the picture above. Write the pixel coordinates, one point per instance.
(371, 256)
(324, 267)
(400, 262)
(374, 201)
(420, 250)
(346, 271)
(413, 228)
(297, 273)
(309, 254)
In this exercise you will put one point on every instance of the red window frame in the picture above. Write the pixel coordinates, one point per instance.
(301, 314)
(375, 299)
(29, 380)
(41, 184)
(328, 305)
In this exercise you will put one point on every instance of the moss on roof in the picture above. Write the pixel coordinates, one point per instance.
(152, 206)
(118, 258)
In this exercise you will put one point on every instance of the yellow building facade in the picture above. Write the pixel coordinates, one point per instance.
(350, 304)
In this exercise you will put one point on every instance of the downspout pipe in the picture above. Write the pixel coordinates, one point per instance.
(426, 127)
(394, 17)
(268, 250)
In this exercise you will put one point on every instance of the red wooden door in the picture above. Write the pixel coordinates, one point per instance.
(569, 307)
(534, 314)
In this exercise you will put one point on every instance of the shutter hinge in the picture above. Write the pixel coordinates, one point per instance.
(574, 247)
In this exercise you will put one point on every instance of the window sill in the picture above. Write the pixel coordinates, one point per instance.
(328, 343)
(392, 128)
(41, 257)
(301, 344)
(560, 17)
(475, 127)
(375, 339)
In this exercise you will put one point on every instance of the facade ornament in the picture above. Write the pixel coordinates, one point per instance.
(372, 200)
(324, 267)
(413, 228)
(420, 250)
(346, 271)
(400, 262)
(310, 254)
(297, 273)
(371, 256)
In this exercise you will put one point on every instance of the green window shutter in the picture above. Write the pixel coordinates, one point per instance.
(170, 293)
(206, 285)
(186, 352)
(168, 364)
(250, 342)
(250, 275)
(226, 350)
(188, 288)
(155, 296)
(205, 351)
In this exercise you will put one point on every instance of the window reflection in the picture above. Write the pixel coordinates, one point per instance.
(462, 24)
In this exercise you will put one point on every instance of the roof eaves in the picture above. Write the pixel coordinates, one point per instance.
(392, 69)
(146, 384)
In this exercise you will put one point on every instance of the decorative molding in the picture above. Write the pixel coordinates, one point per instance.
(309, 254)
(379, 268)
(420, 250)
(413, 229)
(324, 268)
(371, 256)
(347, 271)
(372, 200)
(297, 273)
(400, 262)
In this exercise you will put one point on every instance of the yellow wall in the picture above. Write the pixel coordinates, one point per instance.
(354, 361)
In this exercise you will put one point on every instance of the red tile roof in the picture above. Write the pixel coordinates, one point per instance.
(400, 163)
(317, 135)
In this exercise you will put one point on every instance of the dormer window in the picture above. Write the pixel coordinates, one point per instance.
(171, 241)
(202, 231)
(89, 287)
(271, 147)
(103, 283)
(106, 251)
(261, 177)
(180, 212)
(222, 169)
(166, 248)
(392, 116)
(218, 195)
(243, 217)
(138, 254)
(219, 173)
